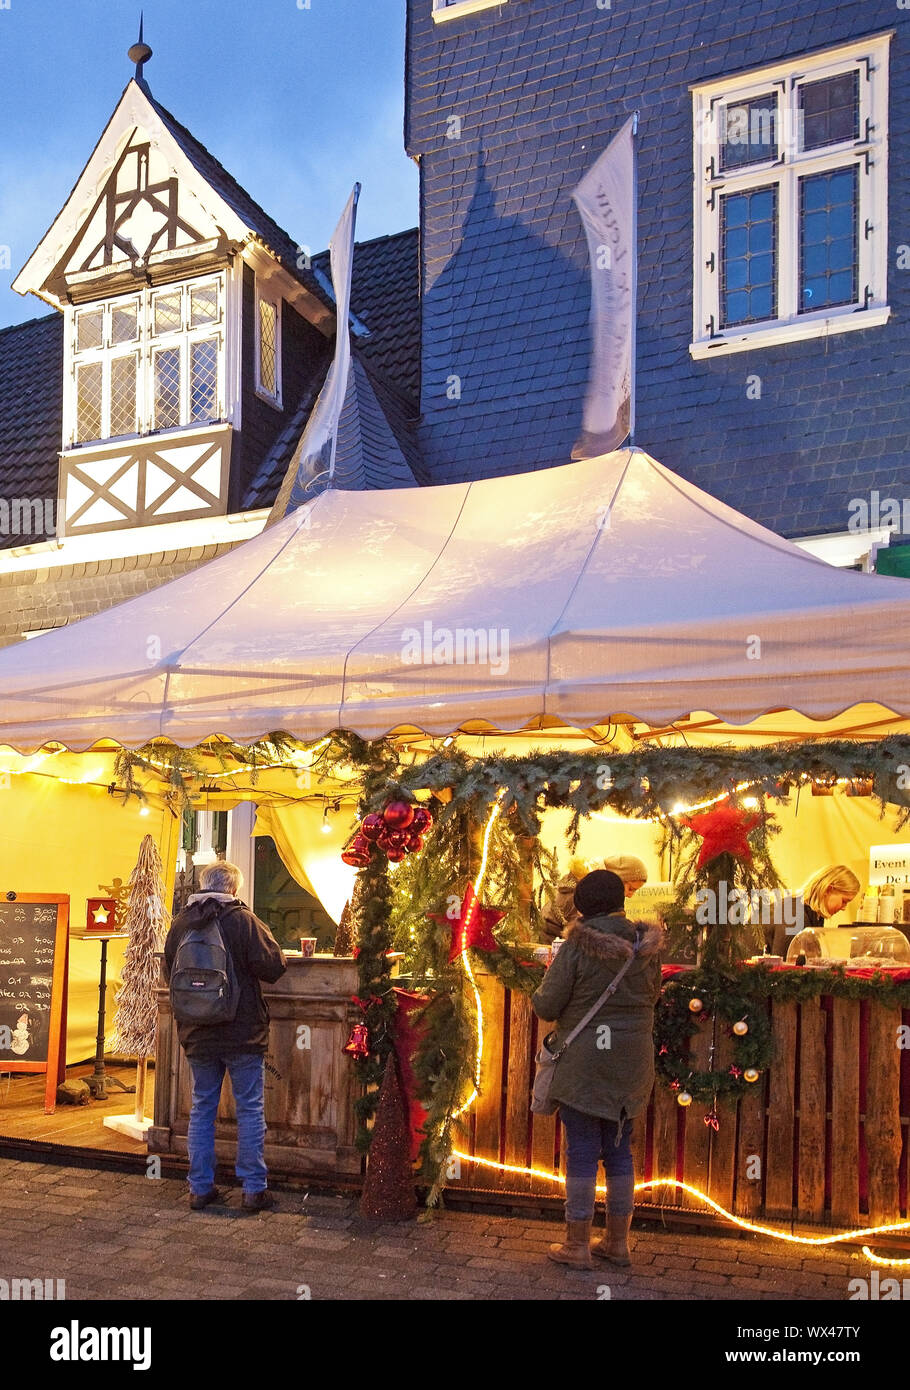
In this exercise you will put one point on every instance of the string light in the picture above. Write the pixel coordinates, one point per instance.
(754, 1227)
(469, 917)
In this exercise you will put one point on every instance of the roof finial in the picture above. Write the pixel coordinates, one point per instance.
(139, 53)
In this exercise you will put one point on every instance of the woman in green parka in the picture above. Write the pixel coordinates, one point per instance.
(604, 1078)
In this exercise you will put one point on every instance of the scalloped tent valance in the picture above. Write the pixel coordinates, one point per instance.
(603, 589)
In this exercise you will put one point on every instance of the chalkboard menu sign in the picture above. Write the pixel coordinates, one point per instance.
(33, 981)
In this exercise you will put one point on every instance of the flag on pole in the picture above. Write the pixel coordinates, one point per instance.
(606, 200)
(314, 456)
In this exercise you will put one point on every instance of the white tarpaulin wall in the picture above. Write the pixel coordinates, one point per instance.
(601, 588)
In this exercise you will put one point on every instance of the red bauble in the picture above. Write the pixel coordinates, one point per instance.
(394, 839)
(422, 820)
(398, 815)
(396, 855)
(371, 827)
(413, 841)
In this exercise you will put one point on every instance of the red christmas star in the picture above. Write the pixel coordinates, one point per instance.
(724, 830)
(472, 927)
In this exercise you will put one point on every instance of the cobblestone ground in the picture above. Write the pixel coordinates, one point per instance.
(116, 1235)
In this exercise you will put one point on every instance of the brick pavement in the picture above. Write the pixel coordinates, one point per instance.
(118, 1235)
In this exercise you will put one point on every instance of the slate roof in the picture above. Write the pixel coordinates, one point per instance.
(31, 413)
(266, 228)
(385, 296)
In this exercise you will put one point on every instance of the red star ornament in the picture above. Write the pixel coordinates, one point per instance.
(724, 830)
(473, 927)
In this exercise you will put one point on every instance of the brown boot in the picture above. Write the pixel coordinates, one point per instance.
(614, 1244)
(576, 1249)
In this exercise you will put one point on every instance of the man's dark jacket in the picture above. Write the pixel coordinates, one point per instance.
(256, 955)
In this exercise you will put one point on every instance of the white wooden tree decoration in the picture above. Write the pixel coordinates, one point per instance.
(136, 1019)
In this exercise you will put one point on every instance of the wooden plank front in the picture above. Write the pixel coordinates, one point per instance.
(697, 1133)
(813, 1021)
(845, 1112)
(518, 1089)
(723, 1142)
(664, 1146)
(882, 1118)
(781, 1112)
(487, 1108)
(750, 1151)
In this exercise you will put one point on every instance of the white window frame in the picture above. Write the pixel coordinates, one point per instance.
(271, 296)
(870, 57)
(454, 10)
(147, 344)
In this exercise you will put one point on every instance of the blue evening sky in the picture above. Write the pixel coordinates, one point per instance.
(296, 103)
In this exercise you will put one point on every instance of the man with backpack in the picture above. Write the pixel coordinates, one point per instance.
(215, 955)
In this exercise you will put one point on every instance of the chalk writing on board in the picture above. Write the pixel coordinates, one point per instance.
(27, 943)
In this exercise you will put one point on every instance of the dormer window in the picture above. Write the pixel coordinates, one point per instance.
(268, 347)
(146, 362)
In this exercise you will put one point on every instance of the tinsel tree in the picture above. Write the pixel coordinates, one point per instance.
(388, 1191)
(147, 917)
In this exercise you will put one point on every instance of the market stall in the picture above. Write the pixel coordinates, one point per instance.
(607, 611)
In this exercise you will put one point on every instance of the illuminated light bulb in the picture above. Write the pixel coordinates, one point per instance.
(751, 1074)
(144, 811)
(684, 1099)
(751, 802)
(741, 1028)
(695, 1006)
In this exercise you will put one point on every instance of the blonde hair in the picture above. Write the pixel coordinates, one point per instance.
(221, 877)
(837, 878)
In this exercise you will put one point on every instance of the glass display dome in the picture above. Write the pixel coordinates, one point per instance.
(809, 943)
(879, 946)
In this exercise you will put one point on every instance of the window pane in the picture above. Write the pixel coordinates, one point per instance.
(828, 252)
(88, 401)
(748, 259)
(829, 110)
(204, 380)
(268, 316)
(89, 329)
(167, 312)
(123, 394)
(125, 322)
(748, 132)
(167, 388)
(203, 304)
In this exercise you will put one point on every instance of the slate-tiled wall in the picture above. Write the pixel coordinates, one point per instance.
(541, 86)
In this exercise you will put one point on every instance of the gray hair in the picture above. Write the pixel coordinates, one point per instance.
(221, 877)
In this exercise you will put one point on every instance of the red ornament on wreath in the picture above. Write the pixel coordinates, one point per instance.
(357, 852)
(398, 815)
(473, 927)
(371, 827)
(723, 829)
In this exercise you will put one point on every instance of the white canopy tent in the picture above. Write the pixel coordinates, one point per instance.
(604, 589)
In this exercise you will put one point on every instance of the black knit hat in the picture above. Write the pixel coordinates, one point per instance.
(599, 892)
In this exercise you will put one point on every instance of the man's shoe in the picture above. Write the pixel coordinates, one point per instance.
(575, 1250)
(258, 1201)
(199, 1200)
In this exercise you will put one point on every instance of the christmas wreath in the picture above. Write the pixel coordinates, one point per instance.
(710, 999)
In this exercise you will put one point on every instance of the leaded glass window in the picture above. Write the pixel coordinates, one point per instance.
(89, 329)
(827, 235)
(748, 132)
(167, 313)
(123, 395)
(268, 347)
(829, 110)
(204, 379)
(89, 385)
(167, 388)
(748, 262)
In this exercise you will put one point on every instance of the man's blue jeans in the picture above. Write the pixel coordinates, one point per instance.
(247, 1075)
(590, 1139)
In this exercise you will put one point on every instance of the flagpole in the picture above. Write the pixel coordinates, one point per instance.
(634, 354)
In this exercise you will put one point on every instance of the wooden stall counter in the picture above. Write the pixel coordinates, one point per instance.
(309, 1081)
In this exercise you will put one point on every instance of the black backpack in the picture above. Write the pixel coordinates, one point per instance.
(203, 984)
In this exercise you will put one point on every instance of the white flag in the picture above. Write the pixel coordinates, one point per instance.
(606, 201)
(315, 453)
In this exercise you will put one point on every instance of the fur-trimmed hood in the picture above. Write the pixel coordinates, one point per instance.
(604, 938)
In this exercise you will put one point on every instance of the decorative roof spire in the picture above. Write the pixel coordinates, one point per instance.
(139, 53)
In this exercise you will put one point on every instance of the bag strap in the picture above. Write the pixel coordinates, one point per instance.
(610, 989)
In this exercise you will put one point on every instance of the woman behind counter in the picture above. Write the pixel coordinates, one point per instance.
(604, 1078)
(827, 893)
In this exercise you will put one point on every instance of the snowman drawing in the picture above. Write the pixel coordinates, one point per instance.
(21, 1040)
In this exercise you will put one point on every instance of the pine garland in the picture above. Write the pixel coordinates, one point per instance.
(726, 996)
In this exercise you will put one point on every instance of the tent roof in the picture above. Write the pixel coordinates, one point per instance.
(601, 589)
